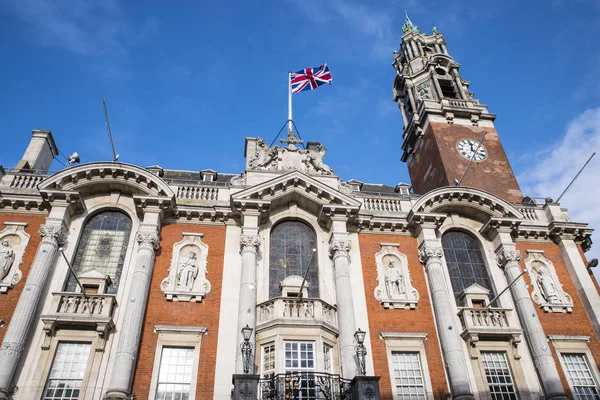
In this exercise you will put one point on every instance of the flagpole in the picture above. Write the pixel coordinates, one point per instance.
(289, 101)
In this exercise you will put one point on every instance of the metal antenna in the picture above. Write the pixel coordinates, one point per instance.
(112, 143)
(458, 182)
(576, 176)
(306, 273)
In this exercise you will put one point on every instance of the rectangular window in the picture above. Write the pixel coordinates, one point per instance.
(67, 372)
(408, 376)
(268, 360)
(327, 365)
(175, 373)
(580, 376)
(299, 356)
(499, 378)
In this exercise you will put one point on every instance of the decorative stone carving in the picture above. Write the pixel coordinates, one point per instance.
(394, 289)
(345, 187)
(425, 92)
(427, 253)
(187, 273)
(547, 292)
(148, 238)
(288, 158)
(238, 180)
(506, 256)
(339, 248)
(249, 242)
(13, 241)
(450, 118)
(55, 234)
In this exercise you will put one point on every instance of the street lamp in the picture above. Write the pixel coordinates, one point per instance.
(361, 351)
(246, 348)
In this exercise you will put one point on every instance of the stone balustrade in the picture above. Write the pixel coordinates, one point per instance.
(17, 180)
(297, 311)
(382, 204)
(530, 213)
(481, 319)
(198, 193)
(78, 310)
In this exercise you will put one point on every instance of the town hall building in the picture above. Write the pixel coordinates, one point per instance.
(287, 281)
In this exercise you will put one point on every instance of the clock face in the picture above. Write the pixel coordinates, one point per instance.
(471, 149)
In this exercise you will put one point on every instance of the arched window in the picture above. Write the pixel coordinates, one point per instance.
(102, 247)
(465, 262)
(290, 250)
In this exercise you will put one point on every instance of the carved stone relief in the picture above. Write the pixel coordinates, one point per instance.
(291, 157)
(395, 288)
(187, 273)
(13, 241)
(425, 91)
(547, 292)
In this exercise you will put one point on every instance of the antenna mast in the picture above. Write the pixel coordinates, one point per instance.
(576, 176)
(112, 143)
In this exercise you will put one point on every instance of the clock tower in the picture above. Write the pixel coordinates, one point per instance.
(445, 128)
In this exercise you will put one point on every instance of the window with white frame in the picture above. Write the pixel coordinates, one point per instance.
(327, 363)
(499, 378)
(299, 356)
(268, 360)
(175, 373)
(67, 371)
(408, 376)
(580, 376)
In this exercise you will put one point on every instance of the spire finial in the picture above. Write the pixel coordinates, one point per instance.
(408, 25)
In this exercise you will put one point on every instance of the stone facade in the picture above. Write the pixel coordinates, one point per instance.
(188, 271)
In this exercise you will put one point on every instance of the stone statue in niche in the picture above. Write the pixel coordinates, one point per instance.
(188, 271)
(7, 258)
(394, 280)
(13, 241)
(394, 289)
(187, 274)
(547, 292)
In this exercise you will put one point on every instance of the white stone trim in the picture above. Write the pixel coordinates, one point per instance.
(37, 384)
(177, 336)
(578, 345)
(390, 259)
(407, 342)
(521, 382)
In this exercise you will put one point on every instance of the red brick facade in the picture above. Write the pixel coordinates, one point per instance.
(163, 312)
(8, 301)
(436, 162)
(398, 320)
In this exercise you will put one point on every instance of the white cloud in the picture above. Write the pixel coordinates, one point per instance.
(551, 170)
(87, 27)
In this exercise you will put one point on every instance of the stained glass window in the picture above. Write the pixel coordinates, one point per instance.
(291, 247)
(465, 262)
(102, 247)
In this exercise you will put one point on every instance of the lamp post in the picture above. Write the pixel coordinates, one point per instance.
(361, 351)
(246, 348)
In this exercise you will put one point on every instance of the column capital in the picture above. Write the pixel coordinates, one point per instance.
(505, 256)
(55, 234)
(339, 246)
(249, 243)
(148, 238)
(430, 252)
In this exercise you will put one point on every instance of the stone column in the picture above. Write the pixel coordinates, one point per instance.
(508, 259)
(430, 254)
(53, 235)
(249, 244)
(339, 251)
(135, 308)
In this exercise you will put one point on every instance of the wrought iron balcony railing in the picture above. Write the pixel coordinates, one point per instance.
(304, 386)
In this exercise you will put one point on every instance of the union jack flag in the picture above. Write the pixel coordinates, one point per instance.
(310, 78)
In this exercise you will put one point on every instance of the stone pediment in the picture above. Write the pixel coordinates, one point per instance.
(475, 289)
(294, 184)
(99, 177)
(476, 203)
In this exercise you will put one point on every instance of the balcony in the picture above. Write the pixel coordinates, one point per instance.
(487, 323)
(304, 385)
(296, 311)
(80, 311)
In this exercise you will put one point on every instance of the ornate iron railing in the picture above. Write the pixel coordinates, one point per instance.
(304, 386)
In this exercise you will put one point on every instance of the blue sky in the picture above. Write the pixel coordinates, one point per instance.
(186, 81)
